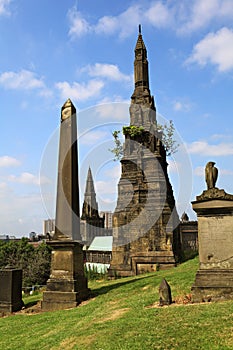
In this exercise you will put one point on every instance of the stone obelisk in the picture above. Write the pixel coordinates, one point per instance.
(67, 285)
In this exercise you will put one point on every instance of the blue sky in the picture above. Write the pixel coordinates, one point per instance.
(52, 50)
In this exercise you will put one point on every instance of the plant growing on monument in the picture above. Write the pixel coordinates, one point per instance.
(167, 131)
(132, 130)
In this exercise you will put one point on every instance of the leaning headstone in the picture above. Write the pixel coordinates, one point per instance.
(214, 208)
(165, 296)
(11, 290)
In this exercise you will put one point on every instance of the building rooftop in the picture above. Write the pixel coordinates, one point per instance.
(101, 243)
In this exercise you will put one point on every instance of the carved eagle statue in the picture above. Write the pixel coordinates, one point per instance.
(211, 175)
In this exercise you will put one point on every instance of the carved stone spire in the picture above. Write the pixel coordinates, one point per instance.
(90, 205)
(142, 109)
(141, 75)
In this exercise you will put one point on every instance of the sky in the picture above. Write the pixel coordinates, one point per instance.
(84, 50)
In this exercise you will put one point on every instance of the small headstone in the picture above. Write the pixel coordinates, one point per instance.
(11, 290)
(165, 296)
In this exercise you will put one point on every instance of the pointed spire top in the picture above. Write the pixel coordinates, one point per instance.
(89, 182)
(139, 29)
(140, 43)
(67, 110)
(68, 103)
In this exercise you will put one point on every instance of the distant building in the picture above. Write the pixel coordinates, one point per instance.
(4, 238)
(100, 250)
(48, 226)
(107, 215)
(7, 238)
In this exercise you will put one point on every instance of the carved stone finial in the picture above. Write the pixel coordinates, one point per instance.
(211, 175)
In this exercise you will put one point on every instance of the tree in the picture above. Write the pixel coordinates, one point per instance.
(170, 144)
(34, 261)
(167, 131)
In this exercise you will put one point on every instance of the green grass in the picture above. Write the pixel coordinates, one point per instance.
(120, 317)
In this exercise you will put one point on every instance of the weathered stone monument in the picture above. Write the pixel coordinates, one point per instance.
(145, 218)
(214, 208)
(67, 285)
(10, 290)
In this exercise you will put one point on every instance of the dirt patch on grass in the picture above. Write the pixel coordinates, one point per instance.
(70, 343)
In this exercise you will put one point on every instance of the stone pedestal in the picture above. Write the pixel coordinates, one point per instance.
(67, 285)
(140, 263)
(10, 290)
(214, 279)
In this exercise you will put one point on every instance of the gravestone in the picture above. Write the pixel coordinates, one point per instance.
(214, 208)
(11, 290)
(165, 295)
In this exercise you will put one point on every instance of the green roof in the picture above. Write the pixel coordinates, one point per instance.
(101, 243)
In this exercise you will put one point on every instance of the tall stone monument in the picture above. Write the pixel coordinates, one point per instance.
(145, 219)
(67, 285)
(214, 208)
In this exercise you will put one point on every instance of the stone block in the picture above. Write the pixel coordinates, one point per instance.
(11, 290)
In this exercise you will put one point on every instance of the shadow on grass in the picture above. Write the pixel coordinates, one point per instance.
(119, 283)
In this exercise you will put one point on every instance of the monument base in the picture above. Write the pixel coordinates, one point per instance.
(53, 301)
(213, 285)
(67, 285)
(214, 279)
(139, 264)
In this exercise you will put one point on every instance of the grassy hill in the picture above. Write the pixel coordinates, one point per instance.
(123, 315)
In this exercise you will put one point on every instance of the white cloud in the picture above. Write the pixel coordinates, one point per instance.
(78, 24)
(198, 14)
(109, 71)
(92, 137)
(77, 91)
(23, 80)
(28, 179)
(180, 106)
(182, 16)
(215, 48)
(113, 111)
(202, 148)
(159, 15)
(4, 10)
(6, 161)
(107, 25)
